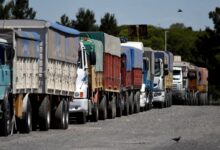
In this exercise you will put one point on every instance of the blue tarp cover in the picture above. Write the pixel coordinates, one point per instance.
(64, 29)
(134, 57)
(28, 35)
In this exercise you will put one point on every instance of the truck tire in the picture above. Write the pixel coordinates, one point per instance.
(66, 114)
(112, 108)
(103, 109)
(59, 116)
(44, 114)
(119, 108)
(5, 122)
(126, 105)
(95, 113)
(25, 124)
(137, 102)
(131, 103)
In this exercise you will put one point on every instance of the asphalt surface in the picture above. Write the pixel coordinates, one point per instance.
(198, 127)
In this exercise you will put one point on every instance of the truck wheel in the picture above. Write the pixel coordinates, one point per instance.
(131, 104)
(95, 113)
(137, 102)
(66, 114)
(126, 105)
(111, 108)
(103, 109)
(60, 115)
(26, 121)
(5, 122)
(119, 109)
(44, 114)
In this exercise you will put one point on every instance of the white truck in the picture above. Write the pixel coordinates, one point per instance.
(190, 83)
(162, 94)
(38, 63)
(97, 94)
(146, 94)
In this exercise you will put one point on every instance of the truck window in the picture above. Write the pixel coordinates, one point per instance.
(176, 72)
(79, 62)
(157, 69)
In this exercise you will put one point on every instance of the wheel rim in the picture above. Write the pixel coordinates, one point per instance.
(48, 119)
(63, 119)
(67, 118)
(29, 120)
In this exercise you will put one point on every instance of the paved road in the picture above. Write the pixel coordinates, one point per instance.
(198, 126)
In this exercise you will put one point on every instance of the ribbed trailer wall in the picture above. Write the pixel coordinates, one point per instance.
(26, 63)
(57, 61)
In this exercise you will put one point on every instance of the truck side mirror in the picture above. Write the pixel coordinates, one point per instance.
(92, 57)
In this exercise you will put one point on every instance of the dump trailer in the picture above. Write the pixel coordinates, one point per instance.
(162, 94)
(97, 94)
(146, 95)
(39, 62)
(131, 76)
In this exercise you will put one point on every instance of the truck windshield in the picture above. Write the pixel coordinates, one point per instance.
(176, 72)
(157, 69)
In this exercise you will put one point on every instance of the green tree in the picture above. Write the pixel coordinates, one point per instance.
(64, 20)
(5, 9)
(215, 16)
(208, 52)
(109, 24)
(85, 20)
(21, 10)
(181, 41)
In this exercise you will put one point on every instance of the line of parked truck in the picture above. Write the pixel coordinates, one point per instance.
(51, 74)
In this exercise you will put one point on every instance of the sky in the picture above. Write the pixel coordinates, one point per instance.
(161, 13)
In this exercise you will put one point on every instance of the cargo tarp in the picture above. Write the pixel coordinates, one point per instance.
(28, 44)
(110, 43)
(136, 57)
(62, 47)
(96, 45)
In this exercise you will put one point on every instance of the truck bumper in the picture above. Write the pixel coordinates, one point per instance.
(178, 96)
(158, 96)
(78, 106)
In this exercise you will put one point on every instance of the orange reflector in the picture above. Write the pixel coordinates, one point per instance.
(81, 94)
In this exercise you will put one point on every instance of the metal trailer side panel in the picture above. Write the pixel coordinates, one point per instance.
(66, 68)
(61, 63)
(26, 62)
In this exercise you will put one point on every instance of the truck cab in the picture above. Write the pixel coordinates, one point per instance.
(6, 56)
(146, 93)
(162, 94)
(178, 87)
(81, 104)
(159, 93)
